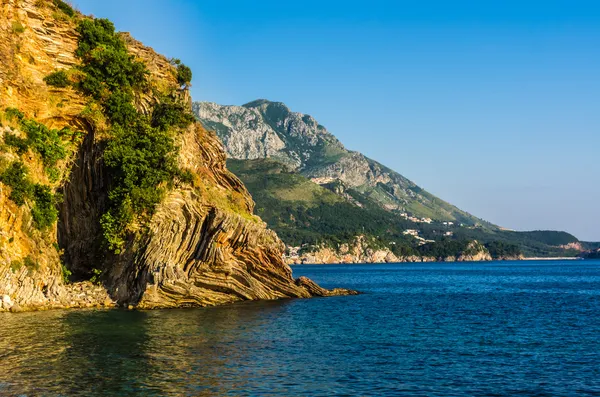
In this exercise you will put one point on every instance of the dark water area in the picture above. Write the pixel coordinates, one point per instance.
(469, 329)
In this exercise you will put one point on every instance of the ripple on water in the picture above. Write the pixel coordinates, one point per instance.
(419, 330)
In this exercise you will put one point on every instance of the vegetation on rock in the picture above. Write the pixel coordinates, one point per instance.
(58, 78)
(184, 73)
(21, 187)
(51, 144)
(64, 7)
(140, 153)
(44, 211)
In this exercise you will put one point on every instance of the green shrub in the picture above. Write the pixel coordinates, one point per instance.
(15, 176)
(95, 278)
(14, 114)
(20, 144)
(107, 65)
(119, 108)
(184, 74)
(66, 273)
(170, 113)
(44, 212)
(92, 115)
(58, 79)
(31, 264)
(186, 176)
(64, 7)
(45, 141)
(53, 174)
(50, 144)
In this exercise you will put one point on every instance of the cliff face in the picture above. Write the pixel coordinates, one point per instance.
(590, 254)
(202, 245)
(262, 129)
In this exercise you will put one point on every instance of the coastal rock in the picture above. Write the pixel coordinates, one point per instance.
(475, 252)
(201, 247)
(361, 252)
(590, 254)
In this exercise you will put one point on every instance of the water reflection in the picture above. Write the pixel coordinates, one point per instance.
(122, 353)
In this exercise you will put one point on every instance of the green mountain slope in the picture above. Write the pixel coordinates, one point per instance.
(313, 191)
(304, 213)
(264, 129)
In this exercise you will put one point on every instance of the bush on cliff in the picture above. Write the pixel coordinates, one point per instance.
(16, 177)
(44, 212)
(184, 73)
(51, 144)
(64, 7)
(140, 153)
(58, 78)
(106, 64)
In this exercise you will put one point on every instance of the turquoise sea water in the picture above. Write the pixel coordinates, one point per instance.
(484, 329)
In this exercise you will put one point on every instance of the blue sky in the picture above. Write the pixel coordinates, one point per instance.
(493, 106)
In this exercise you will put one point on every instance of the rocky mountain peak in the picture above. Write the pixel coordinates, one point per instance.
(265, 129)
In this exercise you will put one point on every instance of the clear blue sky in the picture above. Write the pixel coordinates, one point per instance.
(493, 106)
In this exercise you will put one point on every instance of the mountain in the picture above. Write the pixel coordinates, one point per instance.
(321, 197)
(110, 192)
(262, 129)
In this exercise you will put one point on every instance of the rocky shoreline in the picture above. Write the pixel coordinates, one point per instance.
(85, 295)
(307, 260)
(82, 295)
(360, 252)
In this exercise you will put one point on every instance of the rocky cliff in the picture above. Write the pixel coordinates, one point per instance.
(361, 251)
(200, 245)
(590, 254)
(264, 129)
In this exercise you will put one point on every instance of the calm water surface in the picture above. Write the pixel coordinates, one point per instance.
(493, 329)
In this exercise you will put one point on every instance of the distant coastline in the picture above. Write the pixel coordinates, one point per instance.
(561, 258)
(571, 258)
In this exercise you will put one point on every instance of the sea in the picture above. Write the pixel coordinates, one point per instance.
(528, 328)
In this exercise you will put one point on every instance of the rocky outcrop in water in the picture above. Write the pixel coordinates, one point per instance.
(202, 245)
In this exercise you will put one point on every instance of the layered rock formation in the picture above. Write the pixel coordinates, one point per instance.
(202, 246)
